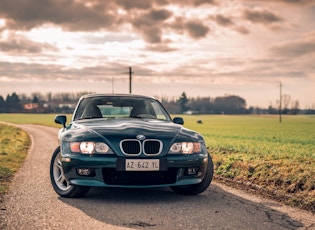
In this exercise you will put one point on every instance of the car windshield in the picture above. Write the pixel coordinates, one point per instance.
(120, 107)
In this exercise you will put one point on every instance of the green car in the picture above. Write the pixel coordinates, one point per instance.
(129, 141)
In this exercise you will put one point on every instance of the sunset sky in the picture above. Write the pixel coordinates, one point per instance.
(203, 47)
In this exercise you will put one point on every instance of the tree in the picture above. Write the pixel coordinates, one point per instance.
(272, 110)
(13, 103)
(2, 105)
(295, 107)
(230, 105)
(182, 101)
(286, 101)
(35, 99)
(202, 105)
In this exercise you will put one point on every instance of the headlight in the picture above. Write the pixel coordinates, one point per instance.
(101, 147)
(185, 147)
(89, 147)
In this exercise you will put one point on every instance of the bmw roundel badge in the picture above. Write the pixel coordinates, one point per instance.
(140, 137)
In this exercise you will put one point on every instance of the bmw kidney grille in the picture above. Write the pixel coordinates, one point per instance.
(133, 147)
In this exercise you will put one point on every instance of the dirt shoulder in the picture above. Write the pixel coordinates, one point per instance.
(287, 199)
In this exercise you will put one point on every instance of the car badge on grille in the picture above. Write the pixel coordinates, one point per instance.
(140, 137)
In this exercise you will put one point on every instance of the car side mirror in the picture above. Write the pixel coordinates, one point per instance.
(61, 119)
(178, 120)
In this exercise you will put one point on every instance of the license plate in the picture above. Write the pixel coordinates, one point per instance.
(142, 165)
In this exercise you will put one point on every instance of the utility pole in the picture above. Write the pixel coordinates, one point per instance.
(130, 80)
(113, 85)
(280, 103)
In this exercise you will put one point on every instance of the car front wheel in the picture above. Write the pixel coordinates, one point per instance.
(195, 189)
(59, 182)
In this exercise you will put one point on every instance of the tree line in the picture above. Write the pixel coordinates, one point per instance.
(40, 103)
(228, 104)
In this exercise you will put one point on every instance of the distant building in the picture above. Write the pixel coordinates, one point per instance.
(31, 106)
(191, 112)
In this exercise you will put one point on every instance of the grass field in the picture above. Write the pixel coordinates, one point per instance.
(257, 151)
(38, 119)
(278, 158)
(14, 144)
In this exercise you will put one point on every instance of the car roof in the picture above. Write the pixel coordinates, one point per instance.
(115, 95)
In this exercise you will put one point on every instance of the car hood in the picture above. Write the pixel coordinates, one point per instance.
(129, 129)
(112, 131)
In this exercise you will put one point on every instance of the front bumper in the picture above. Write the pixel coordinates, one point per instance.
(108, 171)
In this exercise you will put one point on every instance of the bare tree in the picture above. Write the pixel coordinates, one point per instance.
(286, 99)
(295, 107)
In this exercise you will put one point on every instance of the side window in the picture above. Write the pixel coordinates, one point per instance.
(80, 108)
(160, 114)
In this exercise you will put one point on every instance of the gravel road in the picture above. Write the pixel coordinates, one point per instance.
(32, 204)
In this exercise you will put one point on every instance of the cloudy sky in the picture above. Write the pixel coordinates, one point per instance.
(203, 47)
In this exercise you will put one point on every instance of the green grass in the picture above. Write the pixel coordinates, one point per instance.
(14, 144)
(278, 157)
(37, 119)
(258, 150)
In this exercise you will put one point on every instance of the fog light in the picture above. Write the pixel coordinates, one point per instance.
(84, 171)
(192, 171)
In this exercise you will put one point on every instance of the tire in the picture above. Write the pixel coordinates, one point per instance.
(195, 189)
(60, 184)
